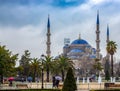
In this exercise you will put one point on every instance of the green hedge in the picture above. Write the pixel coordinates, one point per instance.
(30, 90)
(107, 90)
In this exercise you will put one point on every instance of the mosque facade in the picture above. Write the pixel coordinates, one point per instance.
(83, 54)
(79, 49)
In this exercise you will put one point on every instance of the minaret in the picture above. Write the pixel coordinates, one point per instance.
(107, 40)
(107, 33)
(97, 37)
(48, 52)
(107, 61)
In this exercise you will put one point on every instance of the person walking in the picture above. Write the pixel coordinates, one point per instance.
(57, 83)
(58, 78)
(10, 83)
(54, 81)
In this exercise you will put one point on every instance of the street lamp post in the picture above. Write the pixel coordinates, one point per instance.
(78, 71)
(42, 71)
(78, 75)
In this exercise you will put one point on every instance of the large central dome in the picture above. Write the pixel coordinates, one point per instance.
(79, 41)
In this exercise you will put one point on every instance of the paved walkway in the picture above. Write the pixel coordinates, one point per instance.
(80, 86)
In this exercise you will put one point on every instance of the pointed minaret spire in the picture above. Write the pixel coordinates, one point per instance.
(107, 33)
(48, 24)
(48, 52)
(97, 37)
(97, 17)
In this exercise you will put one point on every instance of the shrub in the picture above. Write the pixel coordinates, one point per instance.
(69, 83)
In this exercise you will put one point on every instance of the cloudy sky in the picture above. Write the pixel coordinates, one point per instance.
(23, 23)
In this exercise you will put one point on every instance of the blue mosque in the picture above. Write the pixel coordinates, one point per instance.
(79, 48)
(82, 54)
(80, 51)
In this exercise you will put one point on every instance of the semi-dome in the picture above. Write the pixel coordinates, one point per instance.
(94, 50)
(76, 50)
(66, 46)
(79, 41)
(92, 56)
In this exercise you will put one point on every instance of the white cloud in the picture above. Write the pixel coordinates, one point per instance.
(21, 39)
(97, 1)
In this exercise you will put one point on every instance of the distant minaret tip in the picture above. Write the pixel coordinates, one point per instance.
(79, 36)
(107, 30)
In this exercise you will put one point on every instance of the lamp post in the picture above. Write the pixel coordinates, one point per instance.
(78, 75)
(42, 56)
(78, 71)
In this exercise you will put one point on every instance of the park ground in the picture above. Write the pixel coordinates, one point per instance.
(80, 86)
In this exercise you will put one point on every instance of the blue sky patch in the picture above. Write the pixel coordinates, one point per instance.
(67, 3)
(57, 3)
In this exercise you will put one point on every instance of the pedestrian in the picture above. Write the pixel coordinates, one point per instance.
(10, 83)
(22, 79)
(54, 81)
(90, 79)
(57, 82)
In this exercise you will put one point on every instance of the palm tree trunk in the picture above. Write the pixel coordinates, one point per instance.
(34, 75)
(1, 75)
(1, 78)
(47, 74)
(112, 74)
(62, 75)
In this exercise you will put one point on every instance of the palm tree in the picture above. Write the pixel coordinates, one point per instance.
(111, 49)
(55, 67)
(25, 63)
(97, 66)
(47, 64)
(64, 64)
(35, 67)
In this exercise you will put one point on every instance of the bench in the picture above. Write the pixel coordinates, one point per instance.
(22, 86)
(112, 85)
(115, 85)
